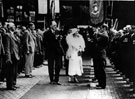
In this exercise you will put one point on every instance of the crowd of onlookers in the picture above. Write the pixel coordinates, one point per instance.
(121, 50)
(22, 48)
(20, 51)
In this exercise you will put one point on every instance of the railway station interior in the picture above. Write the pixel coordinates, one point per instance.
(105, 51)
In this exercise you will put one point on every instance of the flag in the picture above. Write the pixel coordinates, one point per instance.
(96, 11)
(42, 6)
(1, 10)
(57, 6)
(52, 9)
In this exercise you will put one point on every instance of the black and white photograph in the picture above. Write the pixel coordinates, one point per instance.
(67, 49)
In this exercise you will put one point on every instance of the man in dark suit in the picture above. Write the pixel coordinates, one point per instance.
(12, 57)
(133, 55)
(99, 57)
(3, 32)
(1, 52)
(54, 52)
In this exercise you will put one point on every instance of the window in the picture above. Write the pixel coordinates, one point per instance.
(32, 16)
(19, 13)
(10, 12)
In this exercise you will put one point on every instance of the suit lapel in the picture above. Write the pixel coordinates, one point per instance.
(52, 33)
(13, 37)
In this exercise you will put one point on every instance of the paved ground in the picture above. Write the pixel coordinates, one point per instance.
(39, 87)
(25, 84)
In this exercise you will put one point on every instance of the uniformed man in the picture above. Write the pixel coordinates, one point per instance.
(99, 58)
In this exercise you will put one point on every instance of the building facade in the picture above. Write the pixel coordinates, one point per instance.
(71, 12)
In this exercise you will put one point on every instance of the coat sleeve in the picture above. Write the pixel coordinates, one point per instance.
(102, 41)
(82, 43)
(45, 40)
(68, 52)
(2, 50)
(7, 48)
(26, 41)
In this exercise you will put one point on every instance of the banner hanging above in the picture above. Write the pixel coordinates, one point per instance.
(96, 11)
(42, 6)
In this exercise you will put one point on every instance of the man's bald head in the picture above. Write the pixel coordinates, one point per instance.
(53, 25)
(11, 26)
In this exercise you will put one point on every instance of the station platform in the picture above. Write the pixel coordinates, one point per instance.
(38, 87)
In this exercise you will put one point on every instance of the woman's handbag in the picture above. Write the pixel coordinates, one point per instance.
(79, 53)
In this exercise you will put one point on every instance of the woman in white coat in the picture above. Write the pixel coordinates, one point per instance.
(76, 46)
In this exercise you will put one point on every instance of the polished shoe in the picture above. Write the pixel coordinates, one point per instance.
(32, 75)
(28, 76)
(51, 83)
(11, 88)
(94, 80)
(100, 87)
(76, 80)
(57, 83)
(15, 86)
(71, 81)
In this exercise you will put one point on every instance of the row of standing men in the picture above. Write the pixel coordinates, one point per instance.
(20, 50)
(119, 49)
(122, 51)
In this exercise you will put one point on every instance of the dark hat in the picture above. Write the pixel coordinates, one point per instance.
(73, 30)
(133, 26)
(105, 25)
(30, 24)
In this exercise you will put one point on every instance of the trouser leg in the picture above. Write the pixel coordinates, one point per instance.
(15, 71)
(51, 68)
(10, 75)
(95, 64)
(58, 63)
(28, 60)
(101, 73)
(32, 62)
(3, 70)
(66, 61)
